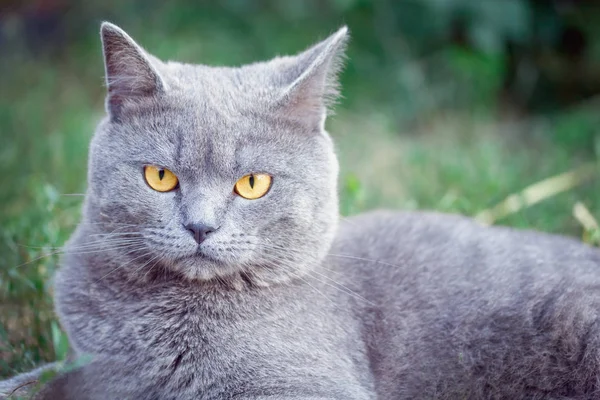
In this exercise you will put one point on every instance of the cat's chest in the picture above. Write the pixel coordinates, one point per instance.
(198, 327)
(198, 342)
(178, 323)
(200, 322)
(192, 341)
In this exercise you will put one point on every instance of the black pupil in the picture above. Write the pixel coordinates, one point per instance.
(161, 174)
(251, 181)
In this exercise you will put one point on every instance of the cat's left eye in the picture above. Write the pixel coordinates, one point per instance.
(253, 186)
(160, 179)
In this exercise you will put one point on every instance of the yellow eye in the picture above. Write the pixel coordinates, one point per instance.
(253, 186)
(160, 179)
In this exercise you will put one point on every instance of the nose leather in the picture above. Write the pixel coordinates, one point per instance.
(199, 231)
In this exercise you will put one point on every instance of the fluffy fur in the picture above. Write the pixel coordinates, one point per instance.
(279, 302)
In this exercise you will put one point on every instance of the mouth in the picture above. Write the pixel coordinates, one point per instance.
(200, 256)
(220, 255)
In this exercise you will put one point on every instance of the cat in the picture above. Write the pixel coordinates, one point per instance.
(210, 261)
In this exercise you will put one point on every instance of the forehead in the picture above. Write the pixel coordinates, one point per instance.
(223, 90)
(205, 129)
(219, 100)
(214, 119)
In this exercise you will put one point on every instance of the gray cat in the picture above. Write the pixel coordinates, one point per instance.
(209, 263)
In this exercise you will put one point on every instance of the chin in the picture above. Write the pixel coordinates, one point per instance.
(204, 266)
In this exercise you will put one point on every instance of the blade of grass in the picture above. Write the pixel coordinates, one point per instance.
(538, 192)
(591, 233)
(585, 217)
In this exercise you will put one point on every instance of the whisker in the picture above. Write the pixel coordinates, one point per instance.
(349, 221)
(151, 268)
(112, 248)
(124, 265)
(54, 253)
(145, 264)
(85, 245)
(336, 285)
(364, 259)
(341, 287)
(298, 276)
(117, 234)
(338, 255)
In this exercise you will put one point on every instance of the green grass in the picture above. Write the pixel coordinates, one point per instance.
(457, 162)
(462, 164)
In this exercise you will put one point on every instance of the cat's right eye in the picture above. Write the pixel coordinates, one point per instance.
(160, 179)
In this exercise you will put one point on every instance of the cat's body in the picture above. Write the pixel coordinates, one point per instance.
(450, 310)
(196, 288)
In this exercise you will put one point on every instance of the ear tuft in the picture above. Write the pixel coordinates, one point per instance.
(311, 78)
(130, 73)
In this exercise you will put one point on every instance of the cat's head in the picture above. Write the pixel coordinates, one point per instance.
(214, 171)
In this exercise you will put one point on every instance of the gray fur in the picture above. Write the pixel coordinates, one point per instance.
(282, 303)
(26, 383)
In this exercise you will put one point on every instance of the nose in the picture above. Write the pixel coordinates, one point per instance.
(199, 231)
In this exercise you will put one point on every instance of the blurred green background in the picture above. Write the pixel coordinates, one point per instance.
(452, 105)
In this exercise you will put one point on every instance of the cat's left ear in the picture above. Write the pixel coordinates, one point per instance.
(311, 79)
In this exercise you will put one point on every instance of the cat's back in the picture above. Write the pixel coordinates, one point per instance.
(451, 249)
(460, 310)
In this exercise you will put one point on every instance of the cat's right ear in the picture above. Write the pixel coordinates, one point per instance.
(130, 73)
